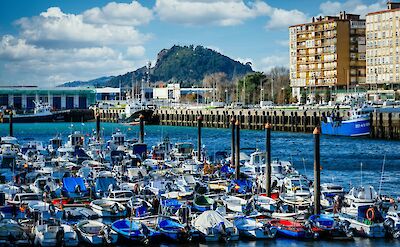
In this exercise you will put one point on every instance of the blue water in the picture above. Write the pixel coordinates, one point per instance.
(341, 157)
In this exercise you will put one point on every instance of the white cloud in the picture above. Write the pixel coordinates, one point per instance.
(200, 12)
(55, 28)
(123, 14)
(350, 6)
(49, 66)
(281, 18)
(135, 51)
(269, 62)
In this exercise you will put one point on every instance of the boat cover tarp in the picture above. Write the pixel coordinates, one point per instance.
(70, 184)
(103, 184)
(247, 224)
(209, 219)
(169, 224)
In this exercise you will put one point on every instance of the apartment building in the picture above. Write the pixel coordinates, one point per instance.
(383, 49)
(326, 54)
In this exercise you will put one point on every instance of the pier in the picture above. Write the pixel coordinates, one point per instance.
(384, 125)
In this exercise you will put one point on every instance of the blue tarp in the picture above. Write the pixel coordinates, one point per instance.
(70, 184)
(102, 184)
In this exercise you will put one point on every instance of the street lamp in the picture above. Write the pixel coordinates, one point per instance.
(226, 96)
(283, 95)
(262, 94)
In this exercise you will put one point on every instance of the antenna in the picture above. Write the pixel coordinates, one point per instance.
(383, 170)
(361, 166)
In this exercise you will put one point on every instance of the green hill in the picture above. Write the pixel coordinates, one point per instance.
(184, 64)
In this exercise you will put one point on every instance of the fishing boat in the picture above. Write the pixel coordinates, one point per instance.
(357, 123)
(121, 196)
(95, 233)
(211, 226)
(107, 208)
(293, 229)
(171, 229)
(359, 196)
(202, 203)
(42, 113)
(367, 223)
(251, 228)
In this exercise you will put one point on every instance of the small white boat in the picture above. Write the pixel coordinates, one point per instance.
(121, 196)
(213, 227)
(48, 234)
(107, 208)
(253, 229)
(96, 233)
(265, 203)
(234, 203)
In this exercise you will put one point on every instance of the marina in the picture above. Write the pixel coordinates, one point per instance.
(368, 163)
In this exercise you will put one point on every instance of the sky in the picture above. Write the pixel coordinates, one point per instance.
(48, 42)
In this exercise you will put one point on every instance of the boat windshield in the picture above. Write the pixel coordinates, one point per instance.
(123, 195)
(29, 197)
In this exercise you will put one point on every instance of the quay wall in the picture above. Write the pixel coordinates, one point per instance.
(384, 125)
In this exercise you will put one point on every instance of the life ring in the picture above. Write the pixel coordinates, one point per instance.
(370, 214)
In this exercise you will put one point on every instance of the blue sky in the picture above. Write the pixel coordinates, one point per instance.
(47, 42)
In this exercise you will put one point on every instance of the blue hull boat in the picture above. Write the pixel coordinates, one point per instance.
(172, 230)
(129, 230)
(355, 127)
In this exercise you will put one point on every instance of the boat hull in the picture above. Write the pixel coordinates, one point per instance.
(357, 127)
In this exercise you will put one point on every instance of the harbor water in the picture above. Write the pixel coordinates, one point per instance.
(346, 161)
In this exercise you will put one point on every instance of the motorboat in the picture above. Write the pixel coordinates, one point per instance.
(249, 227)
(70, 236)
(234, 203)
(132, 231)
(172, 229)
(212, 227)
(121, 196)
(329, 227)
(108, 208)
(359, 196)
(96, 233)
(12, 234)
(48, 233)
(367, 223)
(202, 203)
(264, 203)
(293, 229)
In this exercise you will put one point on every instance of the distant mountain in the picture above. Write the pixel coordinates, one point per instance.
(183, 64)
(95, 82)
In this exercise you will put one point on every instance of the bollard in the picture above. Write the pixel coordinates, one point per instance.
(141, 132)
(317, 171)
(268, 174)
(237, 147)
(199, 125)
(98, 125)
(11, 123)
(233, 152)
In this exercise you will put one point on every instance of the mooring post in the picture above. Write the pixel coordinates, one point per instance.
(268, 174)
(317, 170)
(11, 123)
(233, 152)
(98, 135)
(237, 166)
(199, 125)
(141, 131)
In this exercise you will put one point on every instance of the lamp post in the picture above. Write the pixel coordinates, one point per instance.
(262, 94)
(283, 95)
(272, 90)
(226, 96)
